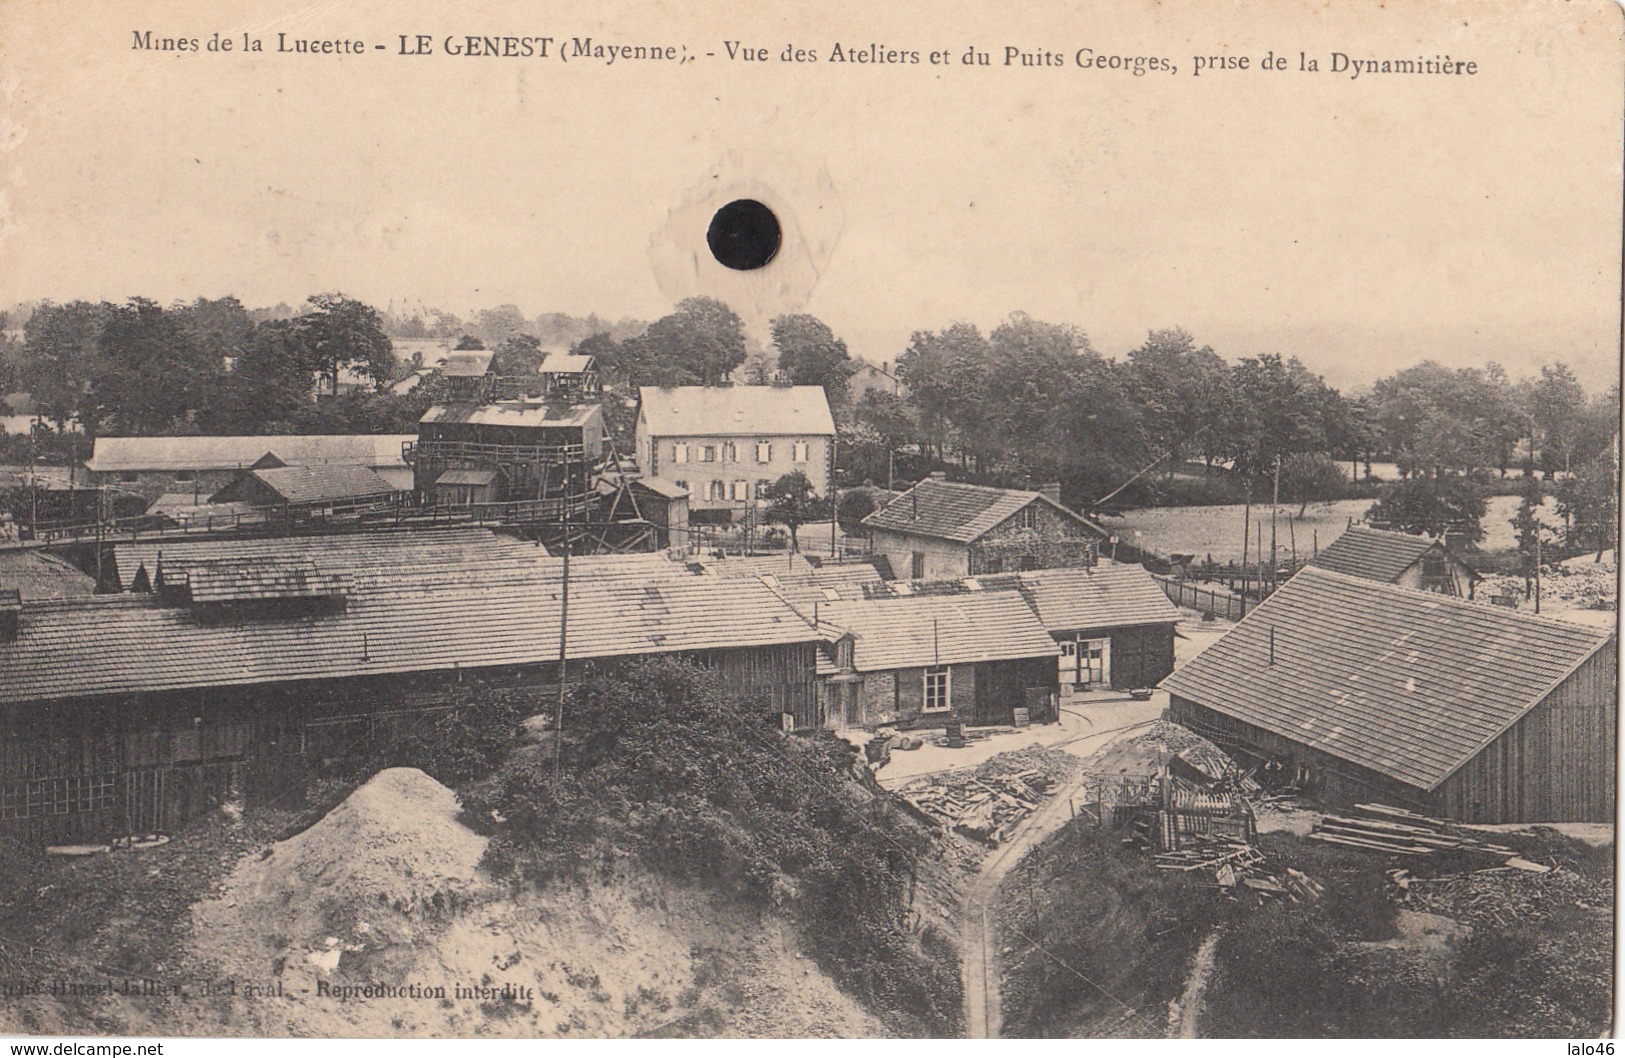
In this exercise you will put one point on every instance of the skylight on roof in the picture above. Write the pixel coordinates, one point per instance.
(972, 584)
(832, 595)
(904, 589)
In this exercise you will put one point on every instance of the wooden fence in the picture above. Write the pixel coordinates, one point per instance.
(1206, 600)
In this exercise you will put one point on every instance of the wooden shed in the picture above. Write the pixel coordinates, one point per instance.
(1370, 691)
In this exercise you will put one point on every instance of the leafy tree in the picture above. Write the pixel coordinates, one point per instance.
(152, 376)
(1434, 418)
(791, 503)
(855, 505)
(1589, 504)
(1310, 476)
(1556, 401)
(1433, 505)
(603, 349)
(58, 362)
(811, 355)
(468, 343)
(1532, 535)
(269, 385)
(944, 372)
(698, 345)
(1279, 408)
(1180, 391)
(501, 323)
(521, 355)
(340, 332)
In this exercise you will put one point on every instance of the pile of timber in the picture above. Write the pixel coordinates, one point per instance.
(984, 807)
(1398, 832)
(1236, 865)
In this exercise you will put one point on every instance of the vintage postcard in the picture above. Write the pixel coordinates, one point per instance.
(925, 520)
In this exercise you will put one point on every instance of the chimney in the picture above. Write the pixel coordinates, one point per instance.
(1052, 490)
(11, 614)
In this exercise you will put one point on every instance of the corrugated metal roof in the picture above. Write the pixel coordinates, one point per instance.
(1409, 684)
(525, 414)
(134, 454)
(1376, 554)
(333, 552)
(557, 363)
(321, 484)
(915, 630)
(466, 476)
(466, 363)
(961, 513)
(728, 411)
(396, 620)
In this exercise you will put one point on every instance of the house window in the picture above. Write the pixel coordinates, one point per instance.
(1436, 575)
(994, 565)
(935, 690)
(730, 452)
(916, 569)
(798, 451)
(682, 485)
(679, 453)
(762, 485)
(716, 490)
(129, 477)
(764, 452)
(708, 453)
(741, 491)
(185, 475)
(1027, 517)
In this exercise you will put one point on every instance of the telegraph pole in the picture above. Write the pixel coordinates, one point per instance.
(564, 623)
(1275, 505)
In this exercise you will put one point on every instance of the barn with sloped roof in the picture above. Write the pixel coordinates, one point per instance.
(1371, 691)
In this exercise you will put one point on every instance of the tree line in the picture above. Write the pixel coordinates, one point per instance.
(1029, 401)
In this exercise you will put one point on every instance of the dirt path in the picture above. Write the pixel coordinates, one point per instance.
(979, 935)
(1190, 1000)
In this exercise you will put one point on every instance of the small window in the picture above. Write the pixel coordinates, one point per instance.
(994, 565)
(1027, 517)
(798, 451)
(679, 453)
(185, 475)
(741, 490)
(715, 491)
(936, 690)
(764, 452)
(682, 485)
(730, 452)
(708, 453)
(762, 485)
(129, 477)
(917, 566)
(831, 595)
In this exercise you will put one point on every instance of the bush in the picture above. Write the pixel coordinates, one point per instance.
(665, 767)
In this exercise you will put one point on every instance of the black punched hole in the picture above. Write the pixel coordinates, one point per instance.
(744, 235)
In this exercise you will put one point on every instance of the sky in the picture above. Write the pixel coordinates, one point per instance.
(1360, 224)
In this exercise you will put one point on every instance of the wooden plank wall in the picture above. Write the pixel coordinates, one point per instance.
(1554, 765)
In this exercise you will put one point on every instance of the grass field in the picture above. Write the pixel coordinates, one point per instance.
(1216, 531)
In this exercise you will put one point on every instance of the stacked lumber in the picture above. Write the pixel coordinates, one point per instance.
(984, 807)
(1200, 854)
(1398, 832)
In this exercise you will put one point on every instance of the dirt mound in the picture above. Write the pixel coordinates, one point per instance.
(378, 922)
(350, 897)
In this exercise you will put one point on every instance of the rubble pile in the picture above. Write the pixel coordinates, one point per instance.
(1501, 897)
(987, 804)
(1572, 585)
